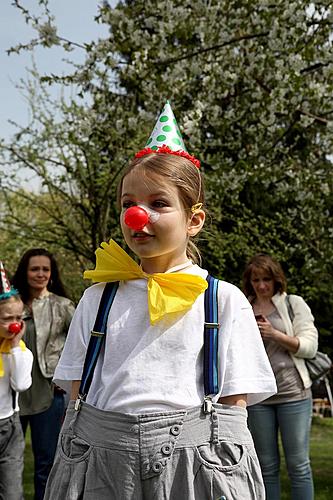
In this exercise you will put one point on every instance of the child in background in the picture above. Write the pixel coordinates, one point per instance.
(47, 315)
(15, 376)
(145, 429)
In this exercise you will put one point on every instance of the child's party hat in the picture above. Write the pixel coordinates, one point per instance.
(166, 138)
(6, 289)
(166, 132)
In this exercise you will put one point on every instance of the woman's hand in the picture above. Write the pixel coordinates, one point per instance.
(269, 333)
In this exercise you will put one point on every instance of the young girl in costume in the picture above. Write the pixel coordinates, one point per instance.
(149, 426)
(15, 376)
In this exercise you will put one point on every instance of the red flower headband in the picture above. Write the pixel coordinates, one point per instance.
(166, 150)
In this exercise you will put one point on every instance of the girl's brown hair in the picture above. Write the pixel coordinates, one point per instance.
(271, 266)
(180, 172)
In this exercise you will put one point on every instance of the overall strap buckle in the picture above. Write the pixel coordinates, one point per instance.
(78, 402)
(207, 405)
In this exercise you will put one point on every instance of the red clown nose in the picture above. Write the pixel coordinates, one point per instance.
(14, 328)
(136, 218)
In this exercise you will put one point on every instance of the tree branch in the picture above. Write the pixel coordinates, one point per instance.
(210, 49)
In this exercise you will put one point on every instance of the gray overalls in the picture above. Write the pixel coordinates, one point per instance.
(201, 453)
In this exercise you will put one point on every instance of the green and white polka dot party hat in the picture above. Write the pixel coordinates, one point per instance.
(166, 138)
(166, 132)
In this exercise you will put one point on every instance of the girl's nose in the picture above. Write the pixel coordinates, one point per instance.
(15, 327)
(137, 217)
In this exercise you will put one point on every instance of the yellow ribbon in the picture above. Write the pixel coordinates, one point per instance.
(5, 347)
(168, 293)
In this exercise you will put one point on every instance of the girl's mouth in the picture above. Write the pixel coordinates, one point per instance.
(140, 235)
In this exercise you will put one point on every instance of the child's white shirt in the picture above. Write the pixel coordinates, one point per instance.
(145, 368)
(17, 366)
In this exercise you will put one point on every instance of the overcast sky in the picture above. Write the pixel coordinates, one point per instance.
(75, 21)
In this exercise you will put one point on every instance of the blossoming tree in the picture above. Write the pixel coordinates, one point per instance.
(251, 84)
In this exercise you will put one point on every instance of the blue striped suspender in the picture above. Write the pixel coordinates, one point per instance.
(211, 330)
(96, 340)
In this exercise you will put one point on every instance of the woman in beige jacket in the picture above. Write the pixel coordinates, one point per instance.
(48, 314)
(288, 343)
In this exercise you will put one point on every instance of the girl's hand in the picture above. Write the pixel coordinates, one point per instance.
(18, 336)
(236, 400)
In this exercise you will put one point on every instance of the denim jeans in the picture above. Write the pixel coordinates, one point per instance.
(293, 420)
(45, 428)
(11, 458)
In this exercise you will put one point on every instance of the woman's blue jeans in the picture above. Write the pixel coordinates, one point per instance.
(293, 420)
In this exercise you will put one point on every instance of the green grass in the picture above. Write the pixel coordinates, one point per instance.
(321, 459)
(28, 473)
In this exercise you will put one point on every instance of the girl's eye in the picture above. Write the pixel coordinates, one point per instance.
(127, 204)
(160, 204)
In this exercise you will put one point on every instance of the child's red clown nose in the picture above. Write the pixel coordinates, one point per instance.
(136, 218)
(14, 328)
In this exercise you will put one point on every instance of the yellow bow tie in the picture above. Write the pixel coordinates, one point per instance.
(168, 293)
(5, 347)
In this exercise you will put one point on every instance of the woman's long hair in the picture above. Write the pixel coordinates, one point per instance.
(271, 266)
(20, 281)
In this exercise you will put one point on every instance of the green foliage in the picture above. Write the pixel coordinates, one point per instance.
(251, 86)
(35, 233)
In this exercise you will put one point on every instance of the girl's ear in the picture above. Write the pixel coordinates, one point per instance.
(196, 223)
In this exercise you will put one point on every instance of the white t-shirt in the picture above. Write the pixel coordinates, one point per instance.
(144, 368)
(17, 366)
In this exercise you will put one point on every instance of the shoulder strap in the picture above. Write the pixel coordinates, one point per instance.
(211, 330)
(290, 308)
(96, 340)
